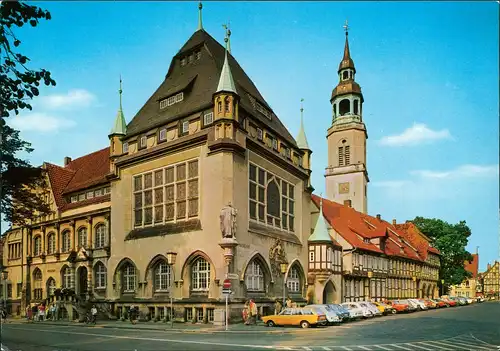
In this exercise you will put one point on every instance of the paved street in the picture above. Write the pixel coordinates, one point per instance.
(475, 327)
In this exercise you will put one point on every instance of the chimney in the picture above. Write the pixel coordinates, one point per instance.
(394, 222)
(477, 250)
(347, 203)
(378, 217)
(488, 267)
(67, 160)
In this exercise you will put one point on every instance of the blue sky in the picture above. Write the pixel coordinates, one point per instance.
(429, 74)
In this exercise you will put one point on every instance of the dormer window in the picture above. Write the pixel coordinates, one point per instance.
(208, 118)
(74, 198)
(260, 134)
(183, 62)
(143, 141)
(287, 153)
(197, 55)
(190, 58)
(185, 127)
(125, 147)
(163, 134)
(171, 100)
(275, 144)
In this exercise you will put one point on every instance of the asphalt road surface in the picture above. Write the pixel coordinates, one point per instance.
(474, 327)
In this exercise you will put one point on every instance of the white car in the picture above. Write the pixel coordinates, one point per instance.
(371, 307)
(366, 311)
(331, 316)
(419, 304)
(354, 310)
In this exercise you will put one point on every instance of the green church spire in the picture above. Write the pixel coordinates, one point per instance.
(321, 230)
(301, 137)
(120, 126)
(200, 22)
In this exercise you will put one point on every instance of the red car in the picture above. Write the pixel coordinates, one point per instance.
(440, 303)
(399, 306)
(450, 302)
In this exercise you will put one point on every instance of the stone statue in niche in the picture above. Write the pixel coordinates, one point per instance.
(277, 256)
(228, 221)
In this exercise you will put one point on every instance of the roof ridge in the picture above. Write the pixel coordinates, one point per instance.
(91, 153)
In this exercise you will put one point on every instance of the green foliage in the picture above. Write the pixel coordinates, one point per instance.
(18, 82)
(451, 240)
(22, 187)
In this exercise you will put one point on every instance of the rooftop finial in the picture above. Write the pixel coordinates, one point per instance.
(346, 28)
(227, 38)
(200, 23)
(120, 91)
(301, 137)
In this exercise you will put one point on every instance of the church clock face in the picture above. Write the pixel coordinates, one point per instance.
(343, 188)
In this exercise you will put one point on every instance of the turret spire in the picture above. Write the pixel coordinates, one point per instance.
(120, 126)
(347, 61)
(321, 229)
(301, 137)
(200, 22)
(226, 82)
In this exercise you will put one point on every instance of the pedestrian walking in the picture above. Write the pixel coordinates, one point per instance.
(245, 313)
(53, 312)
(35, 313)
(277, 307)
(253, 312)
(132, 314)
(41, 312)
(29, 313)
(93, 312)
(3, 315)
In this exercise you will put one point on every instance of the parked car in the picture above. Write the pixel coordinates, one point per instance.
(372, 308)
(342, 311)
(430, 303)
(400, 306)
(384, 308)
(332, 316)
(355, 311)
(470, 300)
(449, 301)
(441, 303)
(303, 316)
(367, 313)
(418, 304)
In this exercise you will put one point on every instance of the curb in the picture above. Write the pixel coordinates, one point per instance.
(177, 330)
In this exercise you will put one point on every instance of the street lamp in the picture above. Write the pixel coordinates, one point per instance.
(171, 257)
(284, 268)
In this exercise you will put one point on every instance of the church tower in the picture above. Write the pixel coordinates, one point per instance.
(346, 174)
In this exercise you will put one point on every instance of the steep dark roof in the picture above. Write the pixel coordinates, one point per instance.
(200, 79)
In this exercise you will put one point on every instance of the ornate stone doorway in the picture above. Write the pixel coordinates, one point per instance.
(329, 293)
(82, 280)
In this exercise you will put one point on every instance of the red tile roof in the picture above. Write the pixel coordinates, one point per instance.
(83, 172)
(417, 238)
(472, 266)
(356, 227)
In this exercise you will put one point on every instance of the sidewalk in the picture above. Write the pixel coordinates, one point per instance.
(161, 326)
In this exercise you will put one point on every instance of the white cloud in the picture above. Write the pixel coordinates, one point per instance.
(464, 171)
(74, 98)
(40, 122)
(419, 133)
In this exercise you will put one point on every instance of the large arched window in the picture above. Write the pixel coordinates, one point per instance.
(163, 276)
(37, 246)
(82, 237)
(254, 276)
(344, 107)
(66, 241)
(51, 287)
(37, 284)
(128, 277)
(200, 275)
(100, 236)
(51, 243)
(273, 199)
(293, 280)
(100, 275)
(66, 277)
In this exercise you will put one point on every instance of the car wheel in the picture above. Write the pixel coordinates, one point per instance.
(394, 311)
(304, 324)
(270, 324)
